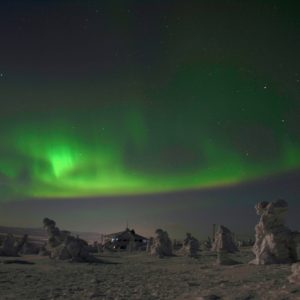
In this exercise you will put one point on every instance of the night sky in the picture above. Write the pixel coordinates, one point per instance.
(172, 114)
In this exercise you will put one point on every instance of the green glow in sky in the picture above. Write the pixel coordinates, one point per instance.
(206, 127)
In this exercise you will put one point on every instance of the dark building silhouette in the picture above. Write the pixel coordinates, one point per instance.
(125, 240)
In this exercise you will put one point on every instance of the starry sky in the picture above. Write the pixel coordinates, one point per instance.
(173, 114)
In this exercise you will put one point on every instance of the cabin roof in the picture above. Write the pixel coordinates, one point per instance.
(127, 233)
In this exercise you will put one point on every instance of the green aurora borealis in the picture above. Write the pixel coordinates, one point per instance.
(107, 98)
(207, 126)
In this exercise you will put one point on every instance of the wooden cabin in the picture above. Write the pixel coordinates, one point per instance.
(125, 240)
